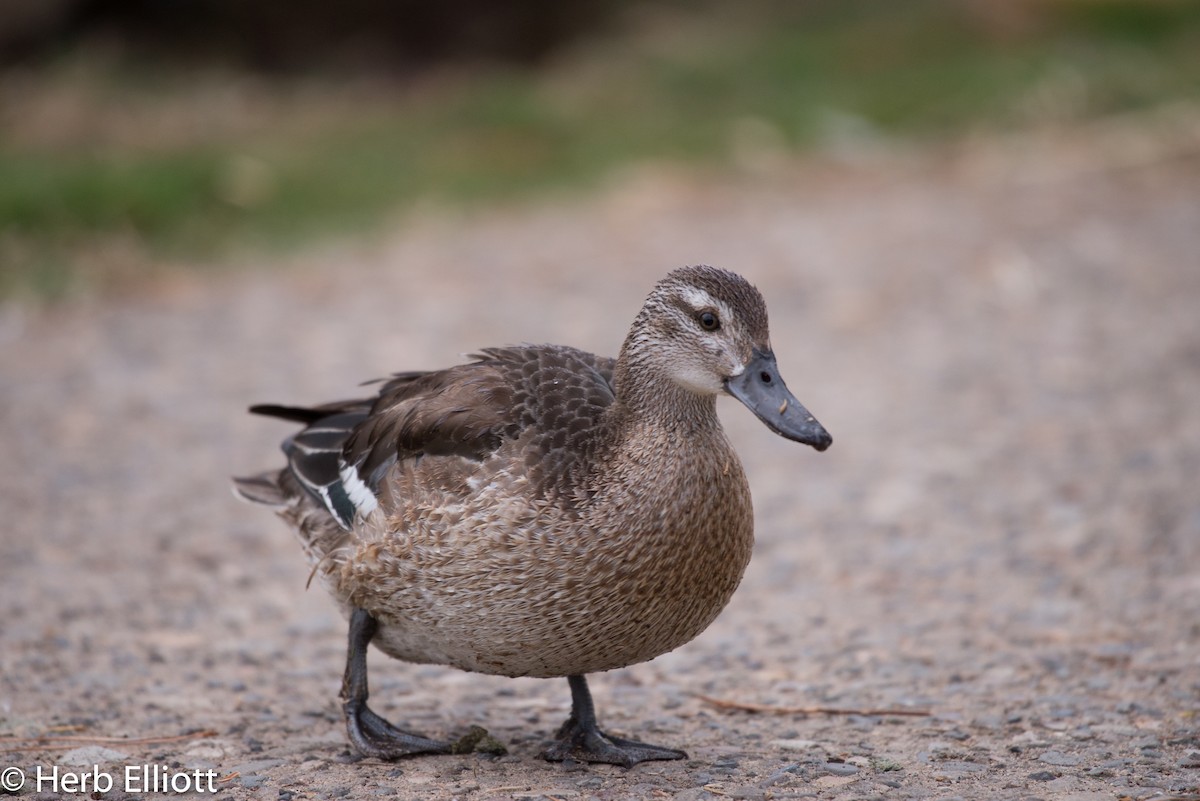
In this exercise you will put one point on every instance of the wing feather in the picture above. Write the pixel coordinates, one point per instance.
(345, 451)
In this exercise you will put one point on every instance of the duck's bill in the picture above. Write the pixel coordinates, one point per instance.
(764, 393)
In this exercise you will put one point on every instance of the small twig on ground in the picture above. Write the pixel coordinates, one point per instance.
(767, 709)
(10, 743)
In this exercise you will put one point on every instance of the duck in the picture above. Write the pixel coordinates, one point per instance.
(539, 510)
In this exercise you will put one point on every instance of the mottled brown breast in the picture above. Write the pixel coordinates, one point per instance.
(502, 580)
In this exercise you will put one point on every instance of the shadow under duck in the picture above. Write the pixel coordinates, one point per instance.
(540, 511)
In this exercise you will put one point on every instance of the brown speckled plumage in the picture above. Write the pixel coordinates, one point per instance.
(540, 511)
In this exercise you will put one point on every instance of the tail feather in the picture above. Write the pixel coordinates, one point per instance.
(323, 539)
(263, 488)
(311, 493)
(298, 414)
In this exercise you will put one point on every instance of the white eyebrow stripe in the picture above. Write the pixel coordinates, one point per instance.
(698, 299)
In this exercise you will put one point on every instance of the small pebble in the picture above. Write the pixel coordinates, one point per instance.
(694, 794)
(960, 767)
(840, 768)
(795, 744)
(776, 778)
(1059, 759)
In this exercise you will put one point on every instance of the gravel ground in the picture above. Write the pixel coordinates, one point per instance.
(1003, 341)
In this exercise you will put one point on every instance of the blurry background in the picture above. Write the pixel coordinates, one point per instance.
(137, 135)
(976, 227)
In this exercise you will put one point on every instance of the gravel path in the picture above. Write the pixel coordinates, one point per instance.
(1004, 343)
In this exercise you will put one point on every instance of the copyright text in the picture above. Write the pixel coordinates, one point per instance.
(131, 779)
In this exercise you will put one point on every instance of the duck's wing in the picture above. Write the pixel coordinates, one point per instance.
(554, 396)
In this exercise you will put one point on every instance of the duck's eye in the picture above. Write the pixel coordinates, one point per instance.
(708, 321)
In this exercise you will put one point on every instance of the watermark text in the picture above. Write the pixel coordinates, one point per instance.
(130, 779)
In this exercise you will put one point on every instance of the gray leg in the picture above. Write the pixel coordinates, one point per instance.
(580, 738)
(370, 734)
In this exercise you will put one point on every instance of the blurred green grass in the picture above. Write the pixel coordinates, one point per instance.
(682, 87)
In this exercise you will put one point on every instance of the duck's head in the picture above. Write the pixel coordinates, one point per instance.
(706, 329)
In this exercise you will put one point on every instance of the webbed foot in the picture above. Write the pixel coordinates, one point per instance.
(369, 734)
(581, 739)
(373, 736)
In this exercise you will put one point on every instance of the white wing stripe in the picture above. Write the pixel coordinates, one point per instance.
(358, 492)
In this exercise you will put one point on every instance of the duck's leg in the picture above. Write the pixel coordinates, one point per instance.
(580, 738)
(370, 734)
